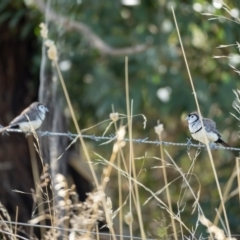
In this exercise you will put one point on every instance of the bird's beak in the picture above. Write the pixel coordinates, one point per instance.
(46, 109)
(187, 118)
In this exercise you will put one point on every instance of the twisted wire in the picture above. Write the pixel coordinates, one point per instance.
(112, 137)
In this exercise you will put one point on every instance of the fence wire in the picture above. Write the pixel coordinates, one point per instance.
(113, 137)
(69, 230)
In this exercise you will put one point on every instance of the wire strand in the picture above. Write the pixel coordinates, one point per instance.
(113, 137)
(68, 229)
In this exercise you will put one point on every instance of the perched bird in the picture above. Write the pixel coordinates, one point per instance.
(195, 127)
(30, 118)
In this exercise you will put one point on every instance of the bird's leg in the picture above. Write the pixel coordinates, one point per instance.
(199, 146)
(212, 145)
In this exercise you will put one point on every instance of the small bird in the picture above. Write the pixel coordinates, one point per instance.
(30, 118)
(195, 128)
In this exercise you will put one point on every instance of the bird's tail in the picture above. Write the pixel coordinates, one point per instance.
(3, 129)
(222, 142)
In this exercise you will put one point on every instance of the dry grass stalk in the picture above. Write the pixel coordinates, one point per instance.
(158, 130)
(7, 231)
(198, 108)
(132, 168)
(84, 216)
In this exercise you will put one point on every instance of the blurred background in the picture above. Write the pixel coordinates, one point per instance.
(93, 38)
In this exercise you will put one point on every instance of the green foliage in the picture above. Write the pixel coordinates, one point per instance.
(96, 81)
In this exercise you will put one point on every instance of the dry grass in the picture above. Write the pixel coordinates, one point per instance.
(71, 219)
(81, 219)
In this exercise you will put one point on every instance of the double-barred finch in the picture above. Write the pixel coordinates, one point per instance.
(31, 118)
(195, 127)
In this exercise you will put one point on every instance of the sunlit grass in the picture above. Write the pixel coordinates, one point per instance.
(124, 216)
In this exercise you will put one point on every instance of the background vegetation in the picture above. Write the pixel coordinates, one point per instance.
(158, 82)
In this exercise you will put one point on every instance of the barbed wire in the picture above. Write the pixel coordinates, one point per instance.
(113, 137)
(70, 229)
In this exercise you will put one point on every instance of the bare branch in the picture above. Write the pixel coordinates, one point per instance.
(95, 41)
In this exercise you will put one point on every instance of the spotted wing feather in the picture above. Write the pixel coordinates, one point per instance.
(210, 126)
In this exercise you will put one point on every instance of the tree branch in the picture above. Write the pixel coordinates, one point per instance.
(95, 41)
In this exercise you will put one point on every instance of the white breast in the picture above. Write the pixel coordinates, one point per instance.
(27, 126)
(211, 137)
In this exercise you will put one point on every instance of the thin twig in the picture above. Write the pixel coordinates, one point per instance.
(167, 188)
(93, 39)
(205, 137)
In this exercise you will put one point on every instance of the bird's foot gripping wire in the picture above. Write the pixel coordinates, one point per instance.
(212, 145)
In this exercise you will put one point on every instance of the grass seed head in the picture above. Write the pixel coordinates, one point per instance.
(52, 53)
(114, 116)
(159, 128)
(128, 218)
(43, 30)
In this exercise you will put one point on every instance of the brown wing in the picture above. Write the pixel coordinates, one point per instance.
(19, 119)
(29, 113)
